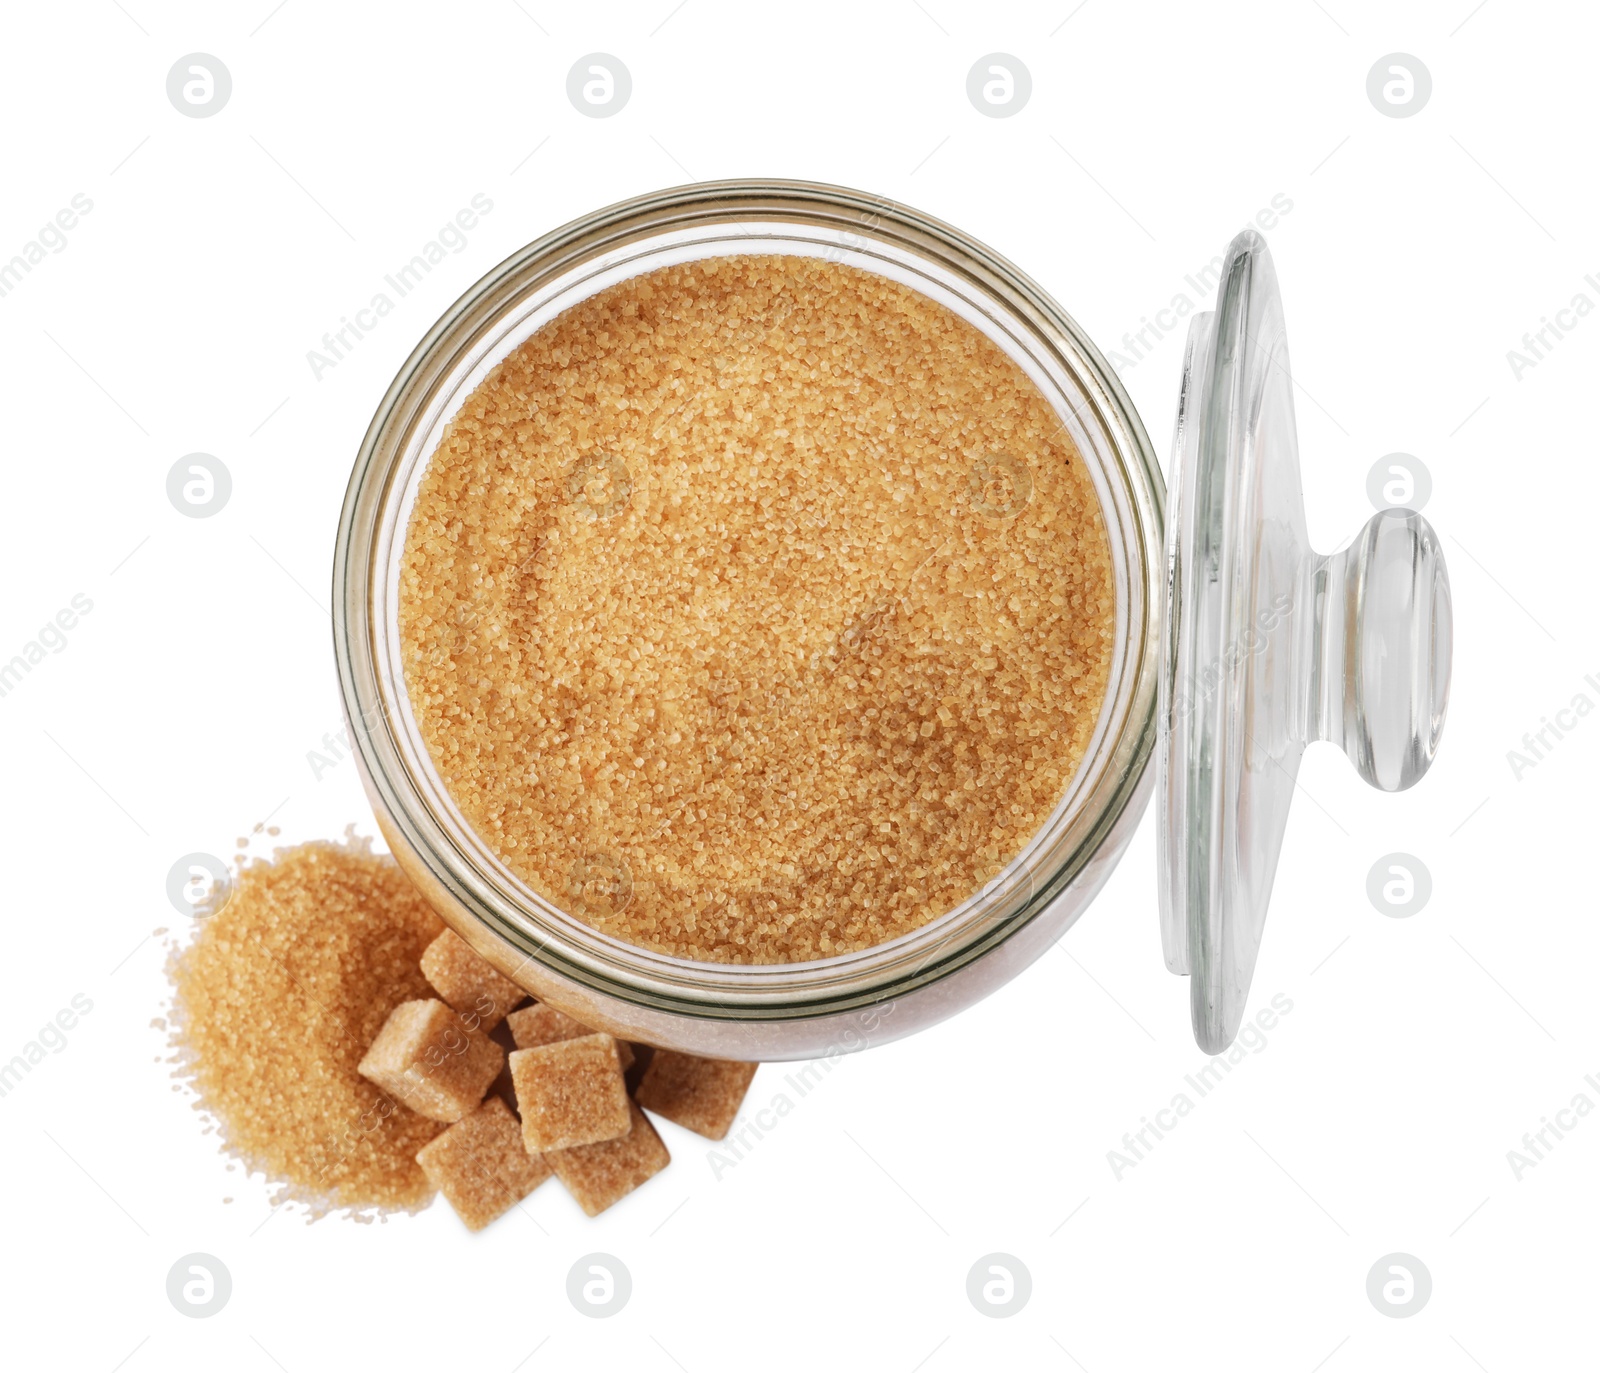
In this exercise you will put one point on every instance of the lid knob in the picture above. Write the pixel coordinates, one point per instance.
(1381, 661)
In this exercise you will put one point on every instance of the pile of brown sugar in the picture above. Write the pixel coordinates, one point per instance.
(354, 1051)
(756, 610)
(275, 1002)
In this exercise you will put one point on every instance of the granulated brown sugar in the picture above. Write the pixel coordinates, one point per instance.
(277, 1000)
(756, 610)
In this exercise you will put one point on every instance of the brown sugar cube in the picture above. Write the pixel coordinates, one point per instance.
(570, 1093)
(431, 1061)
(468, 981)
(480, 1165)
(535, 1026)
(599, 1175)
(700, 1094)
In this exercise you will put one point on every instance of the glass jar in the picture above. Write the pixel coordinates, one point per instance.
(785, 1011)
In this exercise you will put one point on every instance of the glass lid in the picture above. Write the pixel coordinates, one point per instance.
(1270, 645)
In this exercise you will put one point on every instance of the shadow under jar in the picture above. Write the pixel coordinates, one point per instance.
(1231, 724)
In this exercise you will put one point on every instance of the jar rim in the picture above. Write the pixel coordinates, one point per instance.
(421, 822)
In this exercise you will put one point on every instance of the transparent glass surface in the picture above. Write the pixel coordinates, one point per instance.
(1269, 646)
(766, 1011)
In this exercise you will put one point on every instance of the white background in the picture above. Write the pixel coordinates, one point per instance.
(1379, 1114)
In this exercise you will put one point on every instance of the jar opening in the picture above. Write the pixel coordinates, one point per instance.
(548, 278)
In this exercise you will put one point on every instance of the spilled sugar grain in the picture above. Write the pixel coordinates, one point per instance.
(276, 1000)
